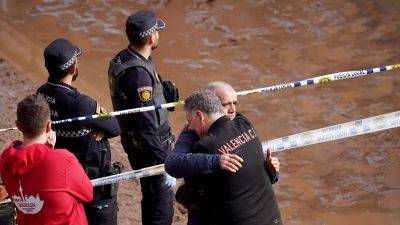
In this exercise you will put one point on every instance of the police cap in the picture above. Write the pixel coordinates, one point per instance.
(143, 23)
(60, 54)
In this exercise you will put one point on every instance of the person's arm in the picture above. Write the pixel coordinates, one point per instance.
(87, 106)
(78, 183)
(182, 163)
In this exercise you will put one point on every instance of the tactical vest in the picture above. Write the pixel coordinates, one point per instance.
(118, 97)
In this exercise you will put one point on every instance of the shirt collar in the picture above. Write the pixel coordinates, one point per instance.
(60, 84)
(218, 122)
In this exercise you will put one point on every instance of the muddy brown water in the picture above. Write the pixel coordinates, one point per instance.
(251, 43)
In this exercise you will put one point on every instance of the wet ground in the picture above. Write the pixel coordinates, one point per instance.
(249, 43)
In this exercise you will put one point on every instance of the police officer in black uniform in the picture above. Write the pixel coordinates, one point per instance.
(244, 197)
(88, 139)
(146, 136)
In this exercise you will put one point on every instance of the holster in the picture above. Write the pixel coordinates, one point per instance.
(171, 93)
(93, 172)
(138, 142)
(140, 152)
(111, 190)
(106, 191)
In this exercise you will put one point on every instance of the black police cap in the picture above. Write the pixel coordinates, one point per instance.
(143, 23)
(60, 54)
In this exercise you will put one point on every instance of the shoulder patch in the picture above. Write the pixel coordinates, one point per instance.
(145, 93)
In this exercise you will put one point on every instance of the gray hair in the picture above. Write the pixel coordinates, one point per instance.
(213, 86)
(205, 101)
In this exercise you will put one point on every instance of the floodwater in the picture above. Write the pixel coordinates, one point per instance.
(250, 44)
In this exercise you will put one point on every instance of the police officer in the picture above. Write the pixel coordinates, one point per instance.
(88, 139)
(146, 136)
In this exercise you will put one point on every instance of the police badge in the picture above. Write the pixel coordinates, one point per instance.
(145, 93)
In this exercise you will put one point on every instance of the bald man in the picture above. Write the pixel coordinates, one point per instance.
(227, 96)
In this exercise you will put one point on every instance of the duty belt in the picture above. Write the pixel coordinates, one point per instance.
(74, 133)
(168, 138)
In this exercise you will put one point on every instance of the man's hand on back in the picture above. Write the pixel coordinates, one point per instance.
(231, 162)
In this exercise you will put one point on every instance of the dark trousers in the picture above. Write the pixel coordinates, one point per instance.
(102, 211)
(198, 217)
(194, 217)
(157, 207)
(7, 214)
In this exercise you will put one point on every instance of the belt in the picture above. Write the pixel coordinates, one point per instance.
(167, 138)
(74, 133)
(170, 139)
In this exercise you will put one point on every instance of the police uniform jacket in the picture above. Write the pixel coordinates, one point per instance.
(245, 197)
(135, 83)
(66, 102)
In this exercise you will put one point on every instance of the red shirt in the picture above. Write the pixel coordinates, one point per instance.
(48, 186)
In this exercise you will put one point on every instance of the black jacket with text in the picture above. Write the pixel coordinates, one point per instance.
(245, 197)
